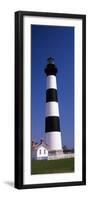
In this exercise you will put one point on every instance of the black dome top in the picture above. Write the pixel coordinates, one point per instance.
(50, 60)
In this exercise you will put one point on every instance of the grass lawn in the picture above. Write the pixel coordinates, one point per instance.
(52, 166)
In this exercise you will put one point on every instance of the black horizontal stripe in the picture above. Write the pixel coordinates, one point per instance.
(51, 95)
(51, 69)
(52, 124)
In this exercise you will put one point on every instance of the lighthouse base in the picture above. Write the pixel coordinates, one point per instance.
(53, 140)
(55, 154)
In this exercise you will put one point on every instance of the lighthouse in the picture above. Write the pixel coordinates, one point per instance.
(52, 115)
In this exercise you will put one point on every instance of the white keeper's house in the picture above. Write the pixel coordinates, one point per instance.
(39, 151)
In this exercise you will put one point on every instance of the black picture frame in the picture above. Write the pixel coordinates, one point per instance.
(19, 115)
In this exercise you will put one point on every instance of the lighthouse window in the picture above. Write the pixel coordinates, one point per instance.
(44, 151)
(40, 151)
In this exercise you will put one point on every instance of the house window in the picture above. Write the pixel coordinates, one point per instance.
(40, 151)
(44, 151)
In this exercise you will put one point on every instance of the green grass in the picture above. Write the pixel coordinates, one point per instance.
(52, 166)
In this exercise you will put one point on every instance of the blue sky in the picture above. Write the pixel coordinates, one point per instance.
(57, 42)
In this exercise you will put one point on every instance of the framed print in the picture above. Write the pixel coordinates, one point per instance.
(50, 99)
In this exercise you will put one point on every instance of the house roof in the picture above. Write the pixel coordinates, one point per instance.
(39, 145)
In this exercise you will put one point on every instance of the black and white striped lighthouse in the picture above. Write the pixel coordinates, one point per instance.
(52, 118)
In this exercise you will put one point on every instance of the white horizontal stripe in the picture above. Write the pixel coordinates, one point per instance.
(53, 139)
(52, 108)
(51, 82)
